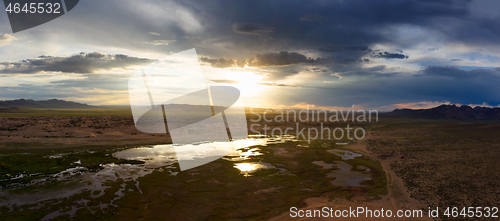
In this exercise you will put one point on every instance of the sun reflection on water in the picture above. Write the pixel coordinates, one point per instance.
(247, 168)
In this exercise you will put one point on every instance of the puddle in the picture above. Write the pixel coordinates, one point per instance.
(345, 154)
(361, 167)
(241, 155)
(323, 164)
(280, 139)
(247, 168)
(326, 144)
(343, 174)
(345, 177)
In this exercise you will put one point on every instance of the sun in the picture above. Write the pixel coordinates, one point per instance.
(245, 79)
(248, 83)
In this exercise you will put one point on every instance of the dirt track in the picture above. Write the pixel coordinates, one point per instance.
(397, 199)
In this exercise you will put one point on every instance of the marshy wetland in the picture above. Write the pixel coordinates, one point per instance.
(401, 164)
(261, 179)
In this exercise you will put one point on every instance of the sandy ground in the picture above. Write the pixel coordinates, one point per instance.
(65, 132)
(397, 199)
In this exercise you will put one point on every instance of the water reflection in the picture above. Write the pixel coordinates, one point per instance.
(345, 177)
(77, 180)
(162, 158)
(323, 164)
(248, 168)
(345, 154)
(242, 154)
(186, 152)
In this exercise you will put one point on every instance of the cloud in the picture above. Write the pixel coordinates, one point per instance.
(377, 87)
(283, 58)
(344, 48)
(432, 84)
(457, 73)
(340, 33)
(253, 29)
(224, 62)
(6, 39)
(108, 82)
(161, 42)
(224, 81)
(313, 18)
(79, 63)
(388, 55)
(277, 85)
(191, 37)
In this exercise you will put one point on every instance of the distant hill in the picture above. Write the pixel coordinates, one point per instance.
(449, 112)
(52, 103)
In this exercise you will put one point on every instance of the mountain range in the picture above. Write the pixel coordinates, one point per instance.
(441, 112)
(449, 112)
(52, 103)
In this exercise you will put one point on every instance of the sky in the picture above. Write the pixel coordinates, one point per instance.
(333, 54)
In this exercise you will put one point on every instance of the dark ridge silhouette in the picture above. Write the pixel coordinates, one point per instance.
(52, 103)
(62, 104)
(449, 112)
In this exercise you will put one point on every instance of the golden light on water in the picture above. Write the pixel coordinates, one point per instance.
(247, 168)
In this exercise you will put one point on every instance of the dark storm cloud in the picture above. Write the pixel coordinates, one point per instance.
(432, 84)
(313, 18)
(336, 49)
(342, 32)
(388, 55)
(252, 29)
(293, 25)
(283, 58)
(279, 72)
(371, 72)
(455, 72)
(342, 23)
(80, 63)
